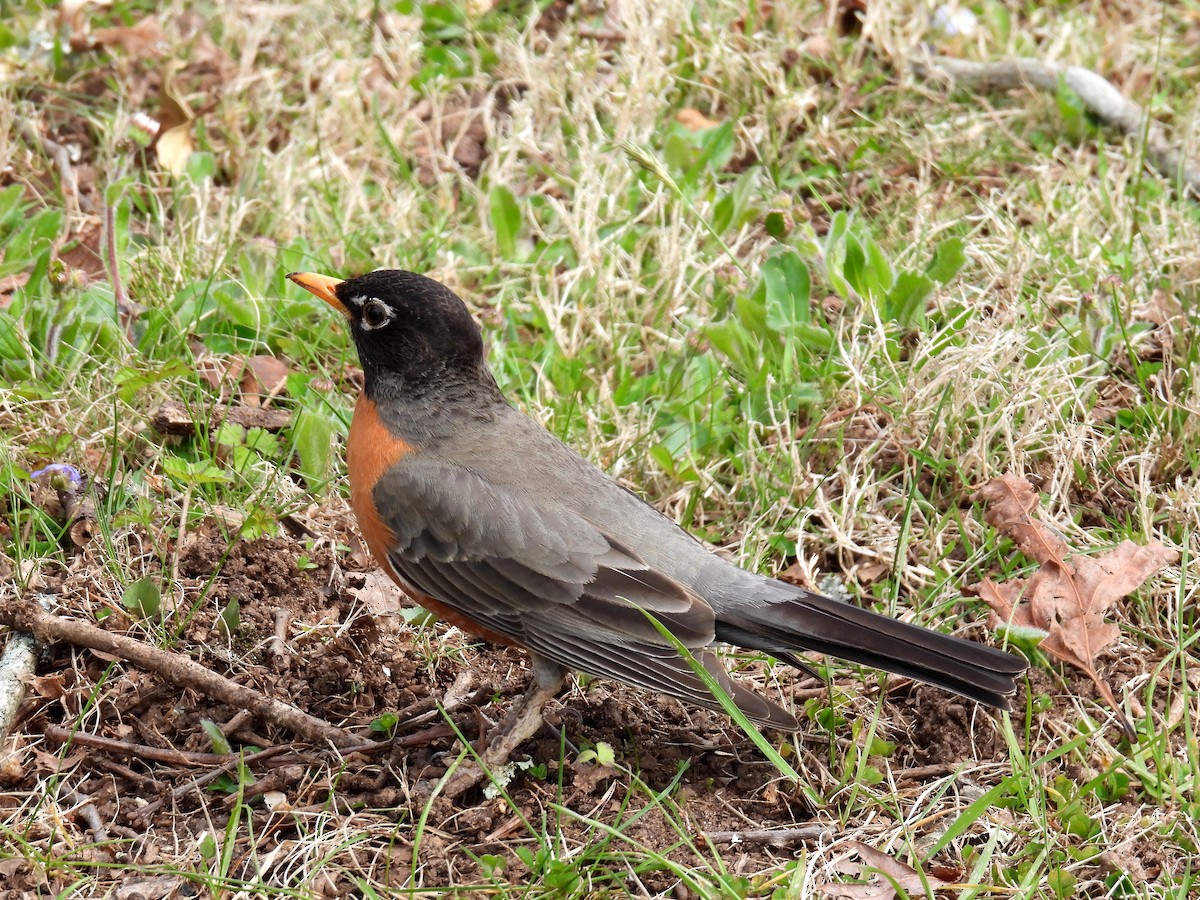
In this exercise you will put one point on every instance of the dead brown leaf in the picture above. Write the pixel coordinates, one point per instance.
(586, 777)
(148, 887)
(10, 869)
(49, 687)
(798, 573)
(1067, 599)
(871, 572)
(174, 144)
(83, 256)
(378, 594)
(139, 41)
(694, 120)
(263, 376)
(71, 17)
(896, 877)
(257, 377)
(52, 763)
(10, 283)
(455, 134)
(219, 372)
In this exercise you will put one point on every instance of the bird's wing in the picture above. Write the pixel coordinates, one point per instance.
(548, 579)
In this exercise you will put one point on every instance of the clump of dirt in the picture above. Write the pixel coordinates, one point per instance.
(330, 660)
(946, 729)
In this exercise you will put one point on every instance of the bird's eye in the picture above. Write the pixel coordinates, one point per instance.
(375, 314)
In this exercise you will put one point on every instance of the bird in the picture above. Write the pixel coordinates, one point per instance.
(488, 520)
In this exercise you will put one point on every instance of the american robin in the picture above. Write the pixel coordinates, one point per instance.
(491, 522)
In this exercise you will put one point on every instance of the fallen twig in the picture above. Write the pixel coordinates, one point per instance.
(278, 642)
(168, 755)
(916, 773)
(86, 810)
(144, 812)
(458, 695)
(17, 665)
(438, 732)
(173, 418)
(180, 670)
(1098, 94)
(772, 837)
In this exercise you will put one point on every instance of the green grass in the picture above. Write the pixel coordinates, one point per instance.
(806, 333)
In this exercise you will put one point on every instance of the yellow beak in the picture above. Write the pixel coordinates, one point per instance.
(322, 286)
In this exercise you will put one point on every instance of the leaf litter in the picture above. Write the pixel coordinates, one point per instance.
(1066, 598)
(896, 877)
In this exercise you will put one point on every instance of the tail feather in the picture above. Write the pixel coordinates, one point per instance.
(815, 623)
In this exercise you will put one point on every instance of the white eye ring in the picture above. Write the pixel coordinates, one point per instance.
(375, 314)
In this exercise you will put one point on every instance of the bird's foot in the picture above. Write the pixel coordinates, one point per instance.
(521, 723)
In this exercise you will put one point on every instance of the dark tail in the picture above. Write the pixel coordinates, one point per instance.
(819, 624)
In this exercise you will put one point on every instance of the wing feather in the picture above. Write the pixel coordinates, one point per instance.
(550, 580)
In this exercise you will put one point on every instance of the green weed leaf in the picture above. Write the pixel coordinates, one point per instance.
(216, 737)
(905, 304)
(786, 280)
(312, 436)
(142, 598)
(195, 473)
(230, 618)
(506, 220)
(948, 260)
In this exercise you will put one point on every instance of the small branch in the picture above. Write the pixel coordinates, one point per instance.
(17, 666)
(919, 772)
(179, 670)
(278, 642)
(772, 837)
(1098, 94)
(86, 810)
(185, 507)
(144, 812)
(438, 732)
(173, 418)
(167, 755)
(416, 739)
(457, 696)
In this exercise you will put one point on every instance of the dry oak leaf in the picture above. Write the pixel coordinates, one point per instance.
(1067, 599)
(173, 145)
(694, 120)
(378, 594)
(896, 877)
(139, 41)
(264, 376)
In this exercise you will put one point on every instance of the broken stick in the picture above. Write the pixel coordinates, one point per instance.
(1099, 95)
(27, 616)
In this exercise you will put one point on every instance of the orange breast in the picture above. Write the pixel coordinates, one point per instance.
(370, 451)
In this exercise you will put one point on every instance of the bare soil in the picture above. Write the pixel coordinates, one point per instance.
(341, 661)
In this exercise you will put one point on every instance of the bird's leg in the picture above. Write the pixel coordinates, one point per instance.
(521, 723)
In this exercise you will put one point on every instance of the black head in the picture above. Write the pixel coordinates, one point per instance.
(410, 331)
